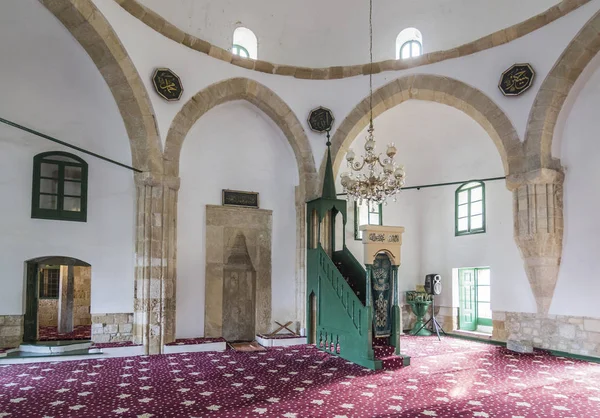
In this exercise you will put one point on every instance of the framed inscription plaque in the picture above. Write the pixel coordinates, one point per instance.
(516, 80)
(167, 84)
(239, 198)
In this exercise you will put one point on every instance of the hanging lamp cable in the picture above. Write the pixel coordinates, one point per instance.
(371, 65)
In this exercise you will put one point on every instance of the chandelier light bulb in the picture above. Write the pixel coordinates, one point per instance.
(350, 156)
(391, 150)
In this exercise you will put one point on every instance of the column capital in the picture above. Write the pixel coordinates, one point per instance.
(147, 178)
(539, 176)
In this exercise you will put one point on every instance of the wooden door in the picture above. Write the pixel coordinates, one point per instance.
(30, 325)
(239, 305)
(468, 299)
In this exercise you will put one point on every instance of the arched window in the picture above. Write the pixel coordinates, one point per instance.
(366, 214)
(59, 187)
(245, 43)
(409, 44)
(470, 208)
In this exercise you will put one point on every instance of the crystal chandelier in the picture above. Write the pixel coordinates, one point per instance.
(382, 177)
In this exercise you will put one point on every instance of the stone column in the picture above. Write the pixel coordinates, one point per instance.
(155, 270)
(65, 302)
(538, 226)
(300, 257)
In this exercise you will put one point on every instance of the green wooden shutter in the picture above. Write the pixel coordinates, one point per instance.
(467, 299)
(31, 304)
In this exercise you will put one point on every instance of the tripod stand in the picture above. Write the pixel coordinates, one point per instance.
(435, 325)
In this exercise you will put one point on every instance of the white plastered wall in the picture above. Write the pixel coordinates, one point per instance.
(319, 33)
(578, 284)
(51, 85)
(454, 148)
(234, 146)
(68, 98)
(482, 71)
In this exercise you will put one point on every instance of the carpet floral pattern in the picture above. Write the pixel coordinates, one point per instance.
(194, 341)
(82, 332)
(454, 378)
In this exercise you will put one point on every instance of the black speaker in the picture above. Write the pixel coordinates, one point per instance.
(433, 284)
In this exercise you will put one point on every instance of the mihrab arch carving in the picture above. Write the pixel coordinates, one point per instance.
(438, 89)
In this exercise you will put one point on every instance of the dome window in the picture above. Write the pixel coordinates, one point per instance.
(409, 44)
(245, 43)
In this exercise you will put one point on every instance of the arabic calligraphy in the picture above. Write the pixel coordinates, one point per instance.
(234, 198)
(320, 119)
(516, 79)
(376, 237)
(167, 84)
(394, 238)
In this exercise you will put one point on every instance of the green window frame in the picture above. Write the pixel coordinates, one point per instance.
(240, 51)
(374, 216)
(59, 189)
(410, 49)
(470, 209)
(49, 284)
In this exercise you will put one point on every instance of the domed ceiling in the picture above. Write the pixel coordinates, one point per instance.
(318, 33)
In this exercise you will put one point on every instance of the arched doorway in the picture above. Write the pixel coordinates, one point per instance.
(57, 299)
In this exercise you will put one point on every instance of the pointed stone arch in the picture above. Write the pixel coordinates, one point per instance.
(444, 90)
(155, 194)
(93, 32)
(283, 116)
(261, 97)
(553, 93)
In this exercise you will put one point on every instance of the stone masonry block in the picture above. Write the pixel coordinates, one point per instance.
(591, 324)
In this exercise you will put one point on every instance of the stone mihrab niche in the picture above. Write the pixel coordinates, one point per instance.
(238, 272)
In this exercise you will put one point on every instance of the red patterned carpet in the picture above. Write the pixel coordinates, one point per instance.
(194, 341)
(455, 378)
(82, 332)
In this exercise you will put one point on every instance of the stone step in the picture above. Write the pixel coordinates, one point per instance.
(55, 347)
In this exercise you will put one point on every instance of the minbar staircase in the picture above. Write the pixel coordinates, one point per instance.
(343, 320)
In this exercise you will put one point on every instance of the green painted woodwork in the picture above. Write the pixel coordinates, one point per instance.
(419, 308)
(240, 51)
(470, 209)
(382, 291)
(328, 181)
(344, 324)
(60, 182)
(410, 49)
(474, 298)
(352, 270)
(31, 303)
(396, 329)
(467, 299)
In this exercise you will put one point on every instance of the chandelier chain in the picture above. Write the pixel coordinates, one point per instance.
(371, 64)
(381, 177)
